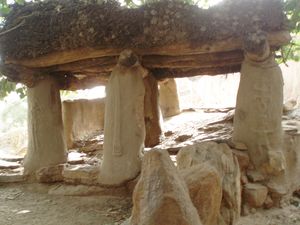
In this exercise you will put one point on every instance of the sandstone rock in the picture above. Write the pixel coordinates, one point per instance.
(255, 194)
(80, 174)
(205, 188)
(243, 159)
(255, 176)
(221, 158)
(238, 145)
(82, 117)
(168, 98)
(161, 196)
(50, 174)
(8, 165)
(268, 203)
(244, 179)
(12, 178)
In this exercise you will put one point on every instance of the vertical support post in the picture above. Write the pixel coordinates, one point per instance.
(152, 112)
(168, 98)
(46, 144)
(124, 125)
(257, 121)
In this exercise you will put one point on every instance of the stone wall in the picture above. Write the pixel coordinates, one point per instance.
(81, 118)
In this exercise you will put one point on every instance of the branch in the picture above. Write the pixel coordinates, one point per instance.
(13, 28)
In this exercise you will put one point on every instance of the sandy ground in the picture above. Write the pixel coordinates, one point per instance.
(31, 205)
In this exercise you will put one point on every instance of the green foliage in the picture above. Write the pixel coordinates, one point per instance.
(7, 87)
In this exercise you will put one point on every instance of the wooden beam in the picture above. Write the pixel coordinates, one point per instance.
(189, 72)
(72, 83)
(231, 44)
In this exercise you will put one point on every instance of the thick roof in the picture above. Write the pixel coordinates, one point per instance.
(74, 38)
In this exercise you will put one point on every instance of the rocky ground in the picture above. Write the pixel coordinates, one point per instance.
(61, 204)
(30, 204)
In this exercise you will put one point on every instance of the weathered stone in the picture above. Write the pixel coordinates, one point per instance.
(205, 188)
(152, 112)
(124, 127)
(168, 98)
(255, 176)
(255, 194)
(81, 118)
(237, 145)
(46, 144)
(243, 159)
(221, 158)
(50, 174)
(80, 174)
(8, 165)
(244, 179)
(161, 196)
(268, 203)
(257, 121)
(12, 178)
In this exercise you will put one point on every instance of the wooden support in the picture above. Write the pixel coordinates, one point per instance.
(151, 111)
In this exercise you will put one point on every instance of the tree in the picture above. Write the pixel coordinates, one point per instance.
(291, 52)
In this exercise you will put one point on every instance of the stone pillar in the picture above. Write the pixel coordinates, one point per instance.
(152, 112)
(168, 98)
(124, 125)
(46, 144)
(257, 121)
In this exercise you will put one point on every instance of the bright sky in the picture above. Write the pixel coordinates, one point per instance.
(138, 2)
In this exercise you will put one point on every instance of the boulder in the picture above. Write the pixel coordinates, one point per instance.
(243, 159)
(221, 158)
(80, 174)
(255, 194)
(50, 174)
(161, 196)
(205, 188)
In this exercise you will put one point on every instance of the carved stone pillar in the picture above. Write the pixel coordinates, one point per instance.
(124, 126)
(152, 113)
(46, 144)
(257, 121)
(168, 98)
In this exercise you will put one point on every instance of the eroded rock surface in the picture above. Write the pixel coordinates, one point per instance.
(161, 196)
(205, 188)
(221, 158)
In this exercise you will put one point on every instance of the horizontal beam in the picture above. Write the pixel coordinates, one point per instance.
(189, 72)
(276, 39)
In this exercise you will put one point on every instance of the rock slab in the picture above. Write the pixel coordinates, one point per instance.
(161, 196)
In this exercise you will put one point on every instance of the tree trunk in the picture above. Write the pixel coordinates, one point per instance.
(152, 113)
(46, 144)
